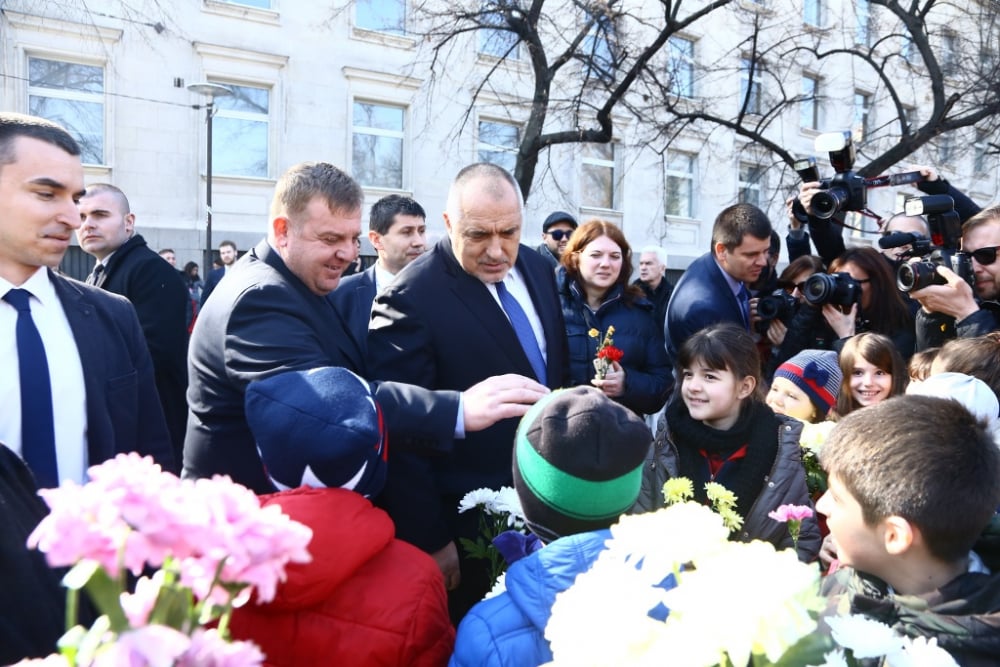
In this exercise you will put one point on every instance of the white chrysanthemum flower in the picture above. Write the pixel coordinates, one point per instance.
(772, 610)
(507, 501)
(833, 659)
(499, 586)
(477, 498)
(865, 637)
(920, 652)
(814, 435)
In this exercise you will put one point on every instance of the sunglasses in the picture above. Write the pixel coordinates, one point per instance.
(985, 256)
(560, 234)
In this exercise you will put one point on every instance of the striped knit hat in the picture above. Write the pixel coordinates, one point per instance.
(817, 373)
(578, 459)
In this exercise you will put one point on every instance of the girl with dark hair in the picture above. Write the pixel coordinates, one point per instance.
(872, 371)
(721, 431)
(593, 281)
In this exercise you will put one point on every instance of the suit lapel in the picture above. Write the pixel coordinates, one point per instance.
(333, 324)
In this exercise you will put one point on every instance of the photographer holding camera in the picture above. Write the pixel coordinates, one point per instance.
(955, 309)
(857, 295)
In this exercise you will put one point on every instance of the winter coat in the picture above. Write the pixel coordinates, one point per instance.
(785, 485)
(364, 599)
(963, 615)
(508, 630)
(648, 376)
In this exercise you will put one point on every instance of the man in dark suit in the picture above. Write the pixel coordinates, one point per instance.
(228, 256)
(715, 288)
(397, 230)
(91, 357)
(271, 315)
(441, 325)
(127, 266)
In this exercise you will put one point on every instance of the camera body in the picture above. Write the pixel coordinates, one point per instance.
(779, 305)
(946, 236)
(839, 289)
(846, 191)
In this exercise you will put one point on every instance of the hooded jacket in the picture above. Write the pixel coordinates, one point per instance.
(508, 630)
(364, 599)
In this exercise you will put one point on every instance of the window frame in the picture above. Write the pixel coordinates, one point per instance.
(246, 116)
(862, 119)
(680, 61)
(981, 148)
(484, 36)
(690, 177)
(755, 104)
(366, 130)
(602, 163)
(71, 95)
(601, 42)
(481, 146)
(810, 103)
(813, 18)
(863, 23)
(403, 7)
(745, 186)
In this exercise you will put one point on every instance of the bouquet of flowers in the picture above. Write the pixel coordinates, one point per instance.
(213, 544)
(811, 441)
(606, 352)
(500, 514)
(671, 589)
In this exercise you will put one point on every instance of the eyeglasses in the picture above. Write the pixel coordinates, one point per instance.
(985, 256)
(560, 234)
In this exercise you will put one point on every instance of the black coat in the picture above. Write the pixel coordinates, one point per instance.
(162, 302)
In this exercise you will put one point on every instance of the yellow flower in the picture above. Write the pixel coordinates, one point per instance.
(720, 496)
(731, 518)
(611, 330)
(677, 490)
(593, 333)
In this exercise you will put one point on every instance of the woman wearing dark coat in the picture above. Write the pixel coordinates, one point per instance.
(594, 290)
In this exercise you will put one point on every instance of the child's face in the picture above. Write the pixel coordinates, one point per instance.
(713, 396)
(787, 399)
(858, 544)
(869, 384)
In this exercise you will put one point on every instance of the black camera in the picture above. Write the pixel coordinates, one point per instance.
(839, 289)
(846, 190)
(779, 305)
(943, 249)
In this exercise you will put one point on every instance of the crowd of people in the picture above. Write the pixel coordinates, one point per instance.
(491, 364)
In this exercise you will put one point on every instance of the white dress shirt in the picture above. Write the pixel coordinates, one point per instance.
(69, 394)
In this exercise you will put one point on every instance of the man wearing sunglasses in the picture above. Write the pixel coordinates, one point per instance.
(953, 310)
(555, 235)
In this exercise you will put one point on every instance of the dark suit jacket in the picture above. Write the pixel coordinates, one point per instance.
(265, 321)
(353, 299)
(440, 327)
(702, 297)
(123, 408)
(161, 300)
(213, 278)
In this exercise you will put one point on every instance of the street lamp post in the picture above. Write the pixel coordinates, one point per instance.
(211, 91)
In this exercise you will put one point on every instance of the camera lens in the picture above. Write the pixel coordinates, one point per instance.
(817, 288)
(827, 202)
(918, 275)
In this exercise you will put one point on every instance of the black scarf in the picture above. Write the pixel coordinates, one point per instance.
(757, 427)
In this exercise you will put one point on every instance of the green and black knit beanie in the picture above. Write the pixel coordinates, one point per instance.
(578, 461)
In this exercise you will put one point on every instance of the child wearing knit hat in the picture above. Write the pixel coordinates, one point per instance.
(805, 387)
(578, 459)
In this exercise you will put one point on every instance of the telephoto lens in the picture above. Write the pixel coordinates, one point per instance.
(839, 289)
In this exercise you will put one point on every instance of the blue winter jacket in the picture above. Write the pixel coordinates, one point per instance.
(508, 630)
(648, 375)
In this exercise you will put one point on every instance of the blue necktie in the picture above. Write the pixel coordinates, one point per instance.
(522, 327)
(743, 296)
(38, 440)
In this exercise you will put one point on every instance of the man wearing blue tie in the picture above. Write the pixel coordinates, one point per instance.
(477, 304)
(714, 287)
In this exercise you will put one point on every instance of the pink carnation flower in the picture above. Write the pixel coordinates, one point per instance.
(787, 513)
(209, 649)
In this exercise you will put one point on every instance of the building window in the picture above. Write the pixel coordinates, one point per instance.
(498, 143)
(681, 66)
(910, 120)
(599, 176)
(751, 183)
(949, 54)
(812, 12)
(598, 50)
(809, 106)
(381, 15)
(862, 110)
(750, 88)
(679, 185)
(378, 145)
(496, 42)
(982, 147)
(946, 149)
(240, 132)
(862, 31)
(72, 95)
